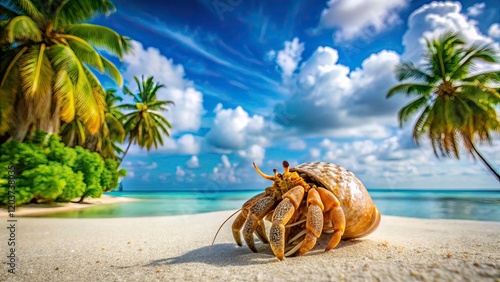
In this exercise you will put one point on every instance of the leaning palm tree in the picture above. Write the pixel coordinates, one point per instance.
(455, 108)
(144, 123)
(48, 54)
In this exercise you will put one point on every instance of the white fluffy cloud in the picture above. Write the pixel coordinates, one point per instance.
(476, 9)
(314, 153)
(193, 162)
(186, 114)
(494, 30)
(235, 129)
(328, 98)
(255, 153)
(433, 19)
(179, 173)
(360, 18)
(289, 58)
(224, 172)
(186, 144)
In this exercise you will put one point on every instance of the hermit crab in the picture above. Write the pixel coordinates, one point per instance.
(304, 202)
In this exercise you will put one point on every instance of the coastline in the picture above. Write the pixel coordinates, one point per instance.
(41, 209)
(177, 248)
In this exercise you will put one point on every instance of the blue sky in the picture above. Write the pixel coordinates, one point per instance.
(265, 81)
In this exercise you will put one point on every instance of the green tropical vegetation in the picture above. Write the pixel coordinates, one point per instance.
(143, 124)
(48, 170)
(58, 126)
(48, 54)
(455, 106)
(106, 139)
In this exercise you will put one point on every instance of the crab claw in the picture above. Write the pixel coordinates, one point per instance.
(282, 214)
(254, 222)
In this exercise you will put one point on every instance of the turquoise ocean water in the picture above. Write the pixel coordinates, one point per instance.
(473, 205)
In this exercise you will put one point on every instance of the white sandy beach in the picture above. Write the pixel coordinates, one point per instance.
(177, 248)
(40, 209)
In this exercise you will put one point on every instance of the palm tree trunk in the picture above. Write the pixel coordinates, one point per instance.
(126, 151)
(492, 170)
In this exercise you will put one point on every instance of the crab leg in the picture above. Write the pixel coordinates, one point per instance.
(332, 205)
(284, 211)
(240, 220)
(314, 223)
(254, 221)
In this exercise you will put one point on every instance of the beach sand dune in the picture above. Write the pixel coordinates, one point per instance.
(177, 248)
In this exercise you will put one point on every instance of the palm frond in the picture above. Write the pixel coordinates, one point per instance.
(159, 105)
(100, 36)
(63, 92)
(64, 59)
(409, 110)
(8, 97)
(111, 70)
(72, 12)
(128, 107)
(477, 51)
(89, 100)
(36, 72)
(84, 51)
(162, 123)
(22, 28)
(479, 91)
(421, 124)
(407, 70)
(484, 77)
(26, 7)
(117, 132)
(410, 89)
(15, 60)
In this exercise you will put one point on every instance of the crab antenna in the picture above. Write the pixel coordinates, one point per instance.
(268, 177)
(286, 167)
(213, 241)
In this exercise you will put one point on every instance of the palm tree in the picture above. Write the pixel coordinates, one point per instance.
(105, 140)
(456, 108)
(144, 123)
(48, 54)
(111, 132)
(73, 133)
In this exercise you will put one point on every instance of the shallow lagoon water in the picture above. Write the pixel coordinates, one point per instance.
(471, 205)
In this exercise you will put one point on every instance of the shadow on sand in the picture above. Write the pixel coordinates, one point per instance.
(230, 254)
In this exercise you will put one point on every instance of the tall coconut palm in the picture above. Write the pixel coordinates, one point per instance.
(144, 123)
(48, 52)
(455, 108)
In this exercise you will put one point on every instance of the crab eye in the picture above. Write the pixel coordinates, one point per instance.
(285, 164)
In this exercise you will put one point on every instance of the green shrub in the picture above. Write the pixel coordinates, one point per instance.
(47, 171)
